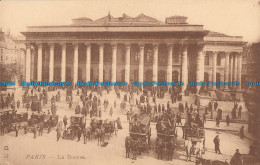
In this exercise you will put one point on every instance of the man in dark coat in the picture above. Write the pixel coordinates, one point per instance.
(236, 159)
(242, 132)
(65, 121)
(79, 134)
(217, 144)
(227, 120)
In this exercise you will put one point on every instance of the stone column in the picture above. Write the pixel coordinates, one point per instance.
(101, 62)
(114, 53)
(63, 62)
(127, 63)
(169, 64)
(155, 62)
(141, 63)
(214, 68)
(226, 68)
(239, 69)
(231, 68)
(88, 61)
(76, 63)
(184, 67)
(39, 63)
(235, 69)
(51, 64)
(28, 62)
(200, 66)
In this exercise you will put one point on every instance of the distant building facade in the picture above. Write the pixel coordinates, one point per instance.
(12, 54)
(251, 68)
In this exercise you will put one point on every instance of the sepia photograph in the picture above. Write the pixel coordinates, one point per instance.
(129, 82)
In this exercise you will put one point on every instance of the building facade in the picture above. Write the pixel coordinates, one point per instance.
(12, 56)
(131, 49)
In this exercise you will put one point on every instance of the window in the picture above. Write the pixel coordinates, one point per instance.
(2, 50)
(149, 56)
(176, 58)
(218, 60)
(6, 58)
(206, 60)
(136, 57)
(2, 58)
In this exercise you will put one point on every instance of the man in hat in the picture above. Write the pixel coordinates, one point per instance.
(217, 144)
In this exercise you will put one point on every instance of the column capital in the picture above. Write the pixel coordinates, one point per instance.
(215, 52)
(170, 46)
(155, 46)
(141, 45)
(63, 44)
(227, 54)
(101, 44)
(28, 45)
(200, 47)
(75, 45)
(51, 45)
(39, 44)
(128, 45)
(87, 44)
(114, 45)
(184, 46)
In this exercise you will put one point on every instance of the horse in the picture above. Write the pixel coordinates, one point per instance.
(86, 134)
(134, 148)
(188, 146)
(128, 141)
(170, 146)
(159, 147)
(99, 134)
(199, 148)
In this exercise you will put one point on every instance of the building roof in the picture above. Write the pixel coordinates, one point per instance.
(124, 20)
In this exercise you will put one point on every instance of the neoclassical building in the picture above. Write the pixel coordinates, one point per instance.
(131, 49)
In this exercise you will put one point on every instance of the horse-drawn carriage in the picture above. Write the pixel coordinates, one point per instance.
(194, 135)
(7, 117)
(140, 130)
(166, 135)
(35, 122)
(76, 122)
(20, 121)
(50, 121)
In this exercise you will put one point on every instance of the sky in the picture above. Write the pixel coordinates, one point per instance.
(231, 17)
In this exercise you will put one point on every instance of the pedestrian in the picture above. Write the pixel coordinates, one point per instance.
(217, 121)
(18, 104)
(227, 120)
(242, 132)
(16, 131)
(204, 118)
(65, 121)
(239, 112)
(79, 134)
(236, 159)
(217, 144)
(27, 106)
(34, 132)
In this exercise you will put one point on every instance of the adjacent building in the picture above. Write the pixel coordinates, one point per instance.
(12, 57)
